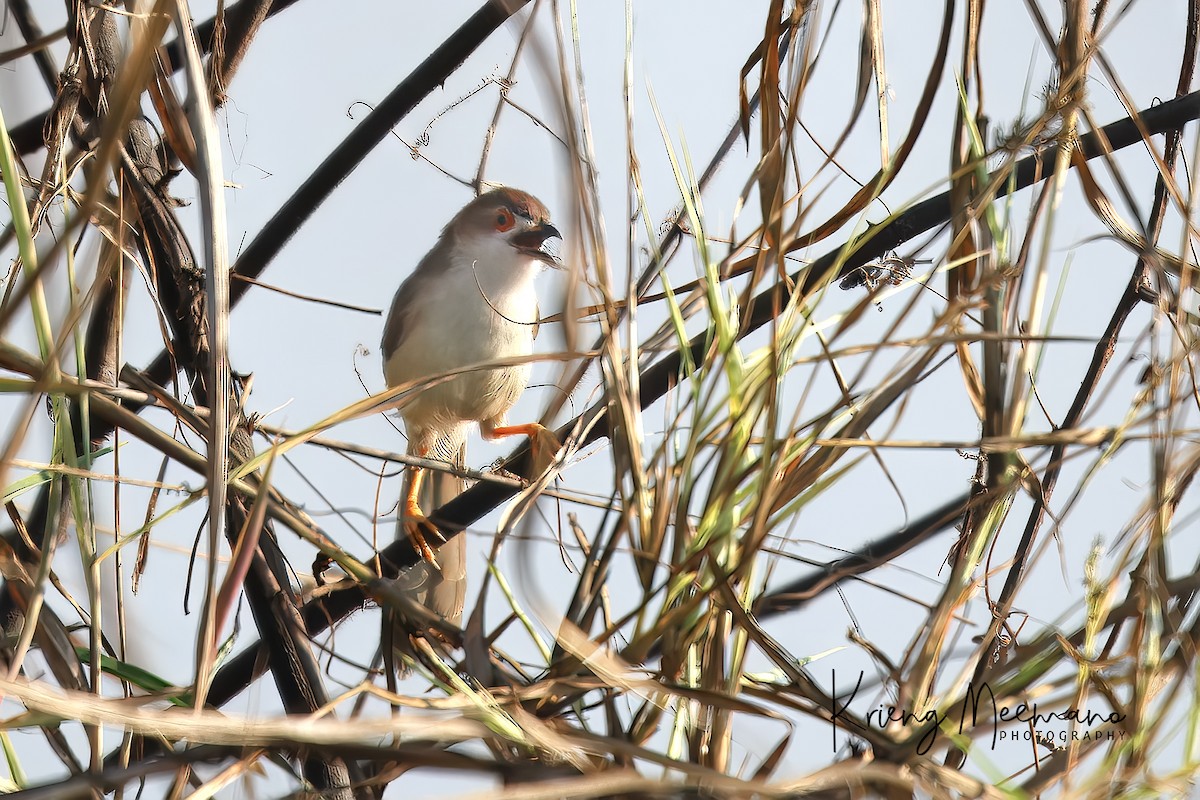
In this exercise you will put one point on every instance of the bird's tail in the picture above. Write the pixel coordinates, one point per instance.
(442, 589)
(445, 591)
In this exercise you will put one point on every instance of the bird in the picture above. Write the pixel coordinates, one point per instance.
(470, 302)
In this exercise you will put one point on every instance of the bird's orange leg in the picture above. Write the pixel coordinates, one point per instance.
(416, 524)
(542, 442)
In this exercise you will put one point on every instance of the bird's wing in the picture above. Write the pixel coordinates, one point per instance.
(397, 321)
(404, 308)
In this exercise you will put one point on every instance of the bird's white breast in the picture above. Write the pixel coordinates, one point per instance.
(482, 309)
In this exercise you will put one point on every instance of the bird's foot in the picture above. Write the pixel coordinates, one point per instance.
(543, 444)
(543, 447)
(420, 530)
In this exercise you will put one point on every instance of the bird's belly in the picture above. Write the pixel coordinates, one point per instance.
(473, 394)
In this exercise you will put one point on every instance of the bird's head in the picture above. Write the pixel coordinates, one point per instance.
(507, 217)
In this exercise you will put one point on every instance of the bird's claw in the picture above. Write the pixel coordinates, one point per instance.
(543, 447)
(420, 530)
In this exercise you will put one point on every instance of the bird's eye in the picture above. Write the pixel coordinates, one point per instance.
(504, 219)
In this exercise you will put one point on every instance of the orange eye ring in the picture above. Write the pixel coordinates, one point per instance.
(504, 220)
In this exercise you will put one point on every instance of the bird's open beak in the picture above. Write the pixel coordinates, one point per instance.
(530, 242)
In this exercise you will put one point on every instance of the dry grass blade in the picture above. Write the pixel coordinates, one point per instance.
(208, 171)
